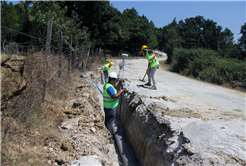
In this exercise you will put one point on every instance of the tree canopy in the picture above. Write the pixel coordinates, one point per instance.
(100, 23)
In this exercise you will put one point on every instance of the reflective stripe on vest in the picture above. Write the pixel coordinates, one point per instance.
(153, 62)
(108, 102)
(107, 67)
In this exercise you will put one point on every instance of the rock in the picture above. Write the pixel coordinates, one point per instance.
(93, 129)
(49, 162)
(66, 145)
(60, 159)
(70, 124)
(86, 160)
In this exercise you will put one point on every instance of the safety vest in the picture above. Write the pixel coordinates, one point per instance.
(108, 102)
(107, 67)
(152, 60)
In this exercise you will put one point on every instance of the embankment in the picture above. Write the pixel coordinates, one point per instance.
(159, 138)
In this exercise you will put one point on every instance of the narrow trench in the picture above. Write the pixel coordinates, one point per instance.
(144, 137)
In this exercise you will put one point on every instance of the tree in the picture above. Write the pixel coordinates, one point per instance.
(38, 14)
(132, 25)
(242, 43)
(9, 20)
(210, 35)
(173, 39)
(140, 31)
(102, 20)
(225, 44)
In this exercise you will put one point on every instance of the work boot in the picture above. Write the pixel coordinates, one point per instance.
(153, 88)
(147, 84)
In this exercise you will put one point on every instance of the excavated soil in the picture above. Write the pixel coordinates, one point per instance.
(75, 134)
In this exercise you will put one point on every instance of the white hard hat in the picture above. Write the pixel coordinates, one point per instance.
(112, 75)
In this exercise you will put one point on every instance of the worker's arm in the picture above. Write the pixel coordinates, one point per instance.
(117, 95)
(112, 93)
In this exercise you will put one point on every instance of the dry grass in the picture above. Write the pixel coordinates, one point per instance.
(21, 143)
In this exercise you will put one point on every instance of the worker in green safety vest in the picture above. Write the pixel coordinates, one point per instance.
(153, 64)
(106, 70)
(111, 101)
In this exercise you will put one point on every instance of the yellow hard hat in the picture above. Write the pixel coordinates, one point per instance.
(143, 47)
(111, 64)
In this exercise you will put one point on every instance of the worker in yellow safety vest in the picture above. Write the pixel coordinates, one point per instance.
(110, 100)
(153, 64)
(106, 70)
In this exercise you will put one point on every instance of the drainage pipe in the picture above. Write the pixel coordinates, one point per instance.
(127, 159)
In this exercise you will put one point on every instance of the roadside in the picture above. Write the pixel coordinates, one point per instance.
(67, 129)
(234, 85)
(71, 130)
(209, 115)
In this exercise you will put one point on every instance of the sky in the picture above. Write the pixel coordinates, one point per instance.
(227, 14)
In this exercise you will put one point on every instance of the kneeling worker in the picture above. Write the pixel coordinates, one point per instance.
(110, 100)
(106, 70)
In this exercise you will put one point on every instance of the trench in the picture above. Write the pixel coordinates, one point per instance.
(148, 133)
(144, 137)
(151, 140)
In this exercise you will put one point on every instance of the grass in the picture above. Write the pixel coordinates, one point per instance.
(39, 117)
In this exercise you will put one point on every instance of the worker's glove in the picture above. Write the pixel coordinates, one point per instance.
(147, 70)
(154, 57)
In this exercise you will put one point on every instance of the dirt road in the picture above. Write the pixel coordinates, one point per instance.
(209, 115)
(188, 92)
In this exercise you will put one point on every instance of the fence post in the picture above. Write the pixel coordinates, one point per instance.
(92, 54)
(99, 52)
(87, 56)
(104, 50)
(75, 56)
(70, 57)
(80, 55)
(47, 52)
(60, 55)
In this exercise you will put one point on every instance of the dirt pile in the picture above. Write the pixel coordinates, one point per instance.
(158, 140)
(85, 129)
(62, 133)
(12, 81)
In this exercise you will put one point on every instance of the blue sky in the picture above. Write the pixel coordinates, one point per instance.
(228, 14)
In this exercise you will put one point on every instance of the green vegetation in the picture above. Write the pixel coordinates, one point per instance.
(208, 66)
(195, 46)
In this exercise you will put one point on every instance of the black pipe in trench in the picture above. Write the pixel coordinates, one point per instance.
(127, 159)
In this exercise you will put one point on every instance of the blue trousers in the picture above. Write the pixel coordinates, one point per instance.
(109, 118)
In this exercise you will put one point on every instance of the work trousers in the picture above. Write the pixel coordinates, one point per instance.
(105, 76)
(151, 75)
(109, 119)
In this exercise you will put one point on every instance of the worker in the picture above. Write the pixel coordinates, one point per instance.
(153, 64)
(110, 101)
(106, 70)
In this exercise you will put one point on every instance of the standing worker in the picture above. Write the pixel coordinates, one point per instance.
(106, 70)
(110, 101)
(153, 64)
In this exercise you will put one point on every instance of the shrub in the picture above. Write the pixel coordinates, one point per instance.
(208, 66)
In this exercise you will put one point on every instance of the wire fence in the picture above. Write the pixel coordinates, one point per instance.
(44, 66)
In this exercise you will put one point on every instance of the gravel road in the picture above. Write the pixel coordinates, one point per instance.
(186, 91)
(216, 115)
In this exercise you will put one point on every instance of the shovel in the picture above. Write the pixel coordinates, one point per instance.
(143, 78)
